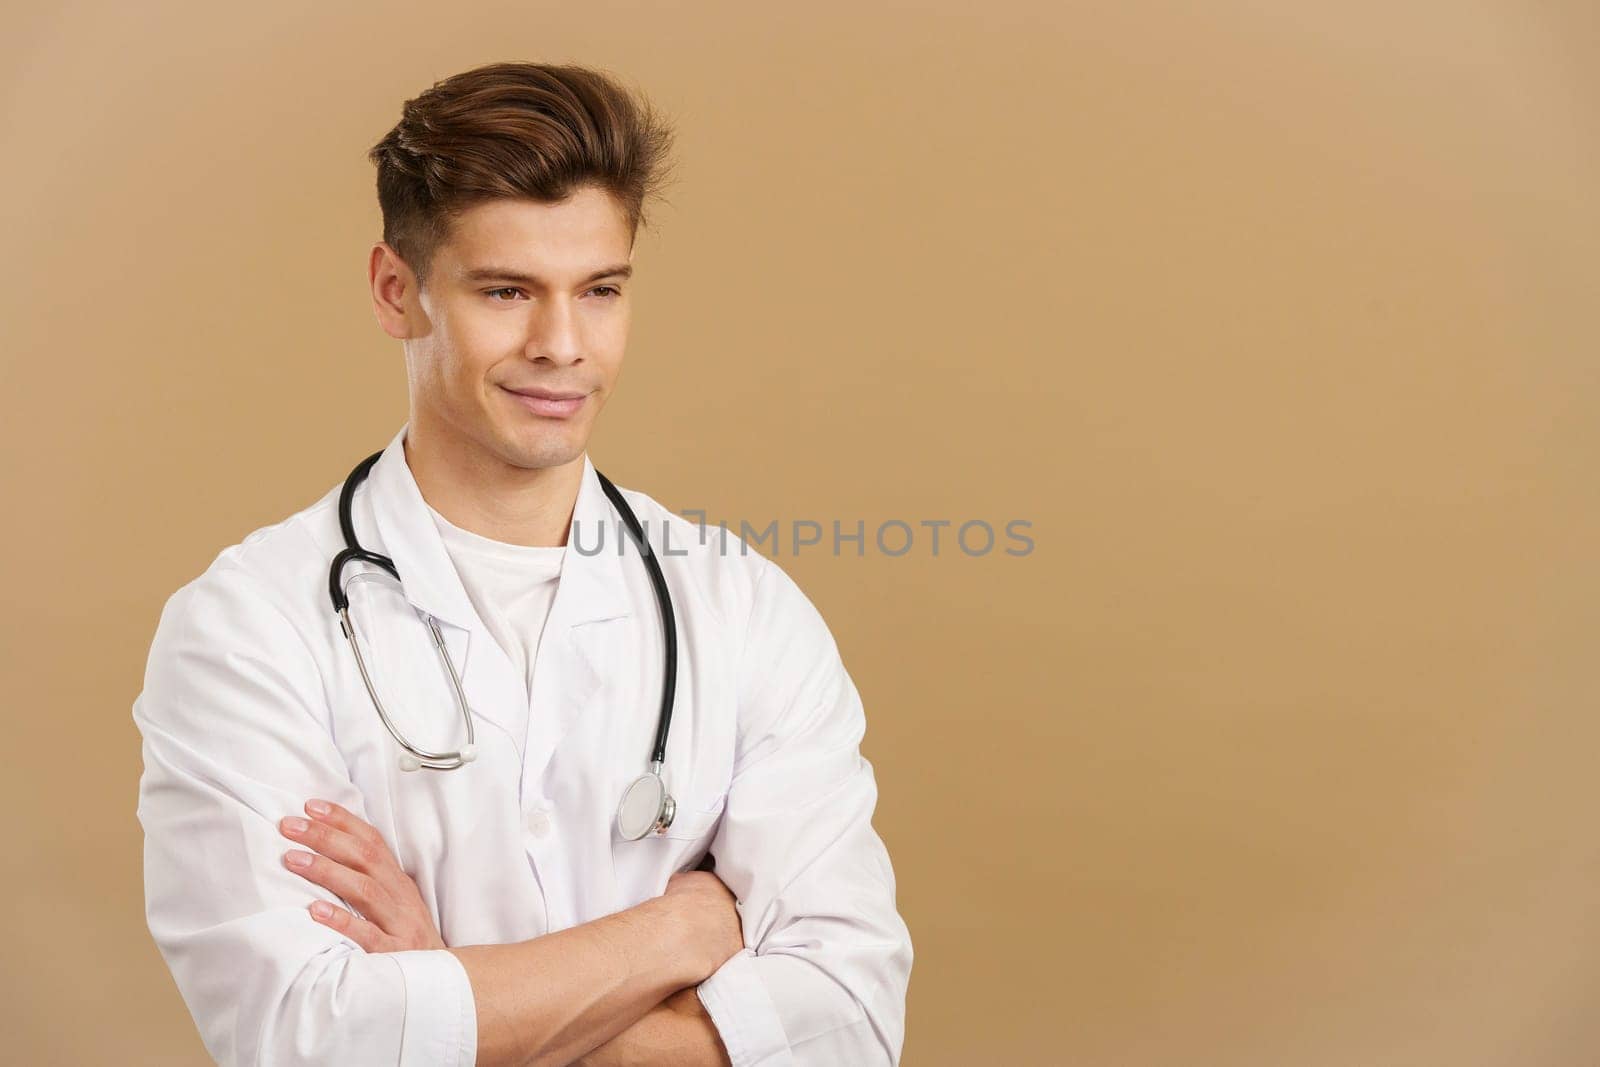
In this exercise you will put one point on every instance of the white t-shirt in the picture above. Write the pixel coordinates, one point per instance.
(512, 587)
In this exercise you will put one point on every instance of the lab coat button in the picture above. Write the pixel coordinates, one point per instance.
(539, 823)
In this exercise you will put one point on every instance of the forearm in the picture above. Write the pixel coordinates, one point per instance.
(675, 1033)
(555, 998)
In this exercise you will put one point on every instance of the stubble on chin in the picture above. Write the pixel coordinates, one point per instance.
(551, 450)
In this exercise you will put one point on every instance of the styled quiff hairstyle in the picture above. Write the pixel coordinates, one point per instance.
(531, 131)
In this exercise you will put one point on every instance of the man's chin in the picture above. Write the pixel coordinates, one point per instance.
(542, 451)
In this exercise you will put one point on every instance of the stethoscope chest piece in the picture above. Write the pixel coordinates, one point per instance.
(645, 807)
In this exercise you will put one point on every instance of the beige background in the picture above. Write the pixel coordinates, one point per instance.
(1276, 321)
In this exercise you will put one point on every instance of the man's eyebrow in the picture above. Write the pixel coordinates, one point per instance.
(506, 274)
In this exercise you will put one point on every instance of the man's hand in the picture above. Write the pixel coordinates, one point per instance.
(716, 932)
(356, 865)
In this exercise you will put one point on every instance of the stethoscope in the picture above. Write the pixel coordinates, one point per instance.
(646, 805)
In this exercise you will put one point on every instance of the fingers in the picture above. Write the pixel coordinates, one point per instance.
(352, 926)
(350, 859)
(328, 813)
(360, 889)
(340, 836)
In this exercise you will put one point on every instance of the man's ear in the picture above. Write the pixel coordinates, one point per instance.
(394, 288)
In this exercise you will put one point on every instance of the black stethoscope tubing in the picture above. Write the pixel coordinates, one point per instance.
(353, 552)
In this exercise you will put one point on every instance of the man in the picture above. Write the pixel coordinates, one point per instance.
(319, 903)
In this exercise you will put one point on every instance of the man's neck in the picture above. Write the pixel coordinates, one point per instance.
(491, 498)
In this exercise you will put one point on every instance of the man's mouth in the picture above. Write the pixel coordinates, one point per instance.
(550, 403)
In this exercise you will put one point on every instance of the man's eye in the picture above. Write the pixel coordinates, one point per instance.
(505, 289)
(610, 290)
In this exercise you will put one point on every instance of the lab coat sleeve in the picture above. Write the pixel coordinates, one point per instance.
(823, 977)
(236, 735)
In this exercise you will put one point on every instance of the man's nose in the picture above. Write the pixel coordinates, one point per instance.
(554, 335)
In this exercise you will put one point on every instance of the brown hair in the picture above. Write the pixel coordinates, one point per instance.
(524, 130)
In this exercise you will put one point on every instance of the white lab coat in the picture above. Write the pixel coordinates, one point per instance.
(252, 704)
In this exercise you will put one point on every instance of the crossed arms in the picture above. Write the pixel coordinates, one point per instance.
(548, 1000)
(822, 961)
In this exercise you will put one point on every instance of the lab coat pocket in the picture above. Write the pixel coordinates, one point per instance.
(691, 824)
(643, 867)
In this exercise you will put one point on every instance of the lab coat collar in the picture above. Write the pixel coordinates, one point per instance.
(570, 679)
(591, 587)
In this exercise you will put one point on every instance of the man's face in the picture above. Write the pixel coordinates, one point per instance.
(523, 299)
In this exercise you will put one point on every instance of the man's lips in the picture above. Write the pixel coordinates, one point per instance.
(551, 403)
